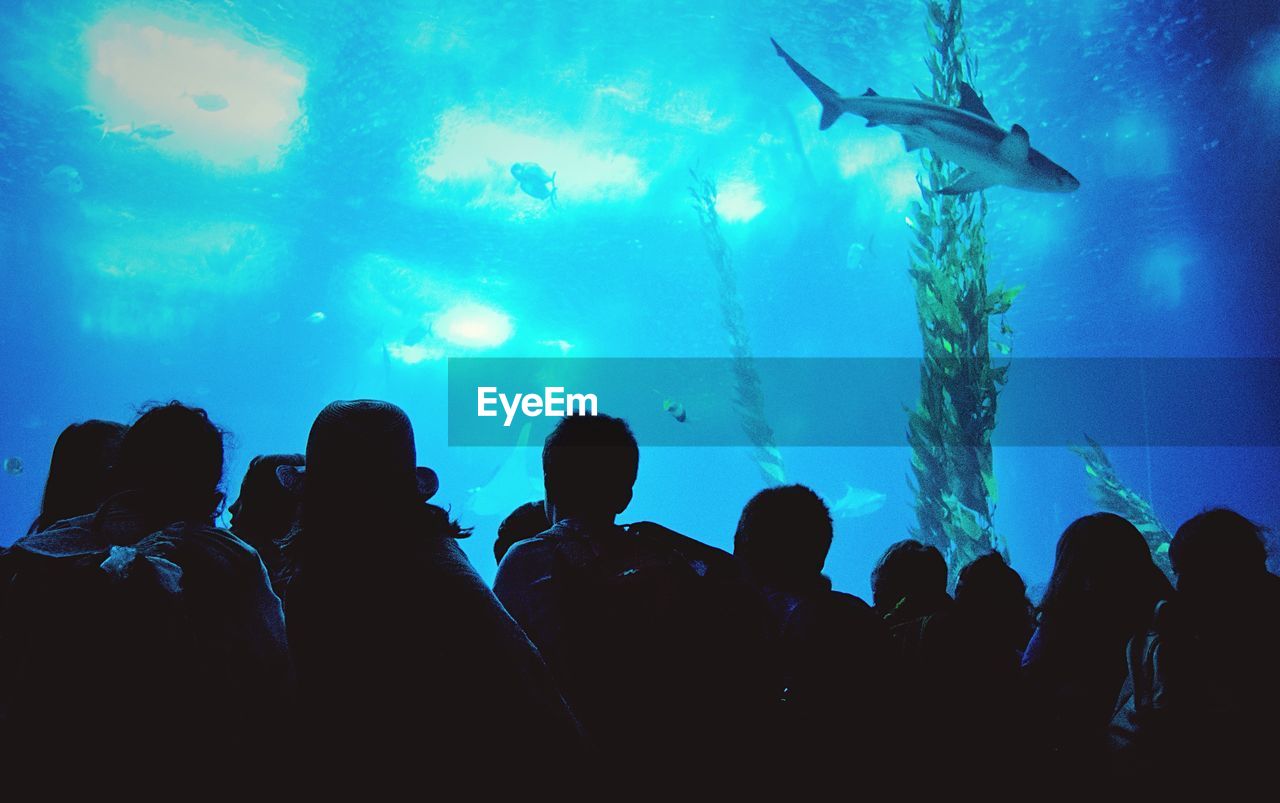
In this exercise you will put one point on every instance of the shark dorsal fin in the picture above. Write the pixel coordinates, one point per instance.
(1014, 147)
(971, 102)
(871, 93)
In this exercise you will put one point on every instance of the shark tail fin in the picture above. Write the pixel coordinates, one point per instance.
(828, 97)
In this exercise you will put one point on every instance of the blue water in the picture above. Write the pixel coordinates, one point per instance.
(260, 207)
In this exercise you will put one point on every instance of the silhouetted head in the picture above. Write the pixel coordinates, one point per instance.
(589, 465)
(80, 472)
(1217, 553)
(264, 511)
(360, 455)
(172, 455)
(1103, 576)
(360, 474)
(524, 522)
(990, 589)
(910, 571)
(784, 535)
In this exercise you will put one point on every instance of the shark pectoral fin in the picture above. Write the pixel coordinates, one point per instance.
(971, 102)
(1014, 147)
(969, 182)
(911, 143)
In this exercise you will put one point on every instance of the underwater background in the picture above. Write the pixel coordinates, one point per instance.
(259, 207)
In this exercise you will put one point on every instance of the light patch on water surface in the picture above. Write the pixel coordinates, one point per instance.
(1138, 145)
(1264, 78)
(419, 313)
(412, 354)
(899, 183)
(881, 158)
(184, 89)
(1163, 274)
(867, 151)
(738, 201)
(679, 107)
(472, 154)
(151, 278)
(473, 325)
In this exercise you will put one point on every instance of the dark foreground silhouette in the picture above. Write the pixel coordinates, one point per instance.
(338, 640)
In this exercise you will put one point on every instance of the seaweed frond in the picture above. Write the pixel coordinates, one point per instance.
(1111, 494)
(748, 397)
(949, 430)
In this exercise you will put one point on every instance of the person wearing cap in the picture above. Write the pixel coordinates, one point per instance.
(405, 659)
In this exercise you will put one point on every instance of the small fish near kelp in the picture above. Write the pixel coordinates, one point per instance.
(534, 181)
(675, 409)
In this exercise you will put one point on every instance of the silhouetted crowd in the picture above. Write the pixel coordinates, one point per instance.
(337, 635)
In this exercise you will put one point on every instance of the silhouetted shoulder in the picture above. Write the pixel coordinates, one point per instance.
(526, 563)
(852, 604)
(702, 557)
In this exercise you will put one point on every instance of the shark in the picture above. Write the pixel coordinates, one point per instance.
(857, 502)
(968, 135)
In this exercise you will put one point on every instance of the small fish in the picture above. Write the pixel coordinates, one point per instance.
(13, 465)
(563, 345)
(857, 502)
(119, 130)
(151, 131)
(534, 181)
(271, 318)
(316, 317)
(676, 409)
(88, 114)
(63, 179)
(858, 253)
(208, 101)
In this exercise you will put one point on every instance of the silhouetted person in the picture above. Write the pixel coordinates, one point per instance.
(909, 584)
(655, 638)
(407, 665)
(909, 591)
(264, 511)
(992, 607)
(79, 471)
(526, 521)
(141, 629)
(1103, 590)
(1199, 706)
(832, 650)
(972, 654)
